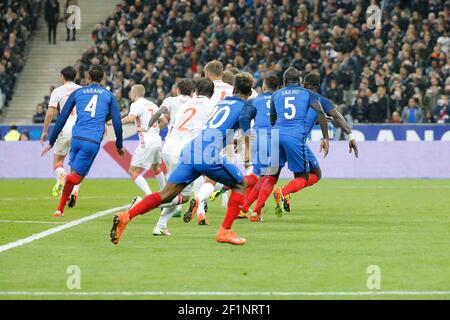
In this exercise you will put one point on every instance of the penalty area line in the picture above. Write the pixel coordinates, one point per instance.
(223, 293)
(62, 227)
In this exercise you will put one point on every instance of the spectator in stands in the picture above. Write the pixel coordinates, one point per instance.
(39, 116)
(379, 106)
(396, 118)
(441, 111)
(123, 103)
(52, 17)
(25, 136)
(412, 113)
(13, 134)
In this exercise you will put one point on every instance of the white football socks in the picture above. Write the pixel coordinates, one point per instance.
(59, 174)
(161, 178)
(142, 184)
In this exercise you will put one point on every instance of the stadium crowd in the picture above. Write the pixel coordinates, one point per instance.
(399, 73)
(18, 19)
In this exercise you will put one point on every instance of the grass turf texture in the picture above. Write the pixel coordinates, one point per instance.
(336, 230)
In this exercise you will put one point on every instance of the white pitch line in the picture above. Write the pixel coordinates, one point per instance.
(65, 226)
(224, 293)
(37, 222)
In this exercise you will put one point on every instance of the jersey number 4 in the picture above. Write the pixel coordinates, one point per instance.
(92, 105)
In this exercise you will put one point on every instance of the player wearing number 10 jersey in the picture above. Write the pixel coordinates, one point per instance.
(94, 105)
(202, 156)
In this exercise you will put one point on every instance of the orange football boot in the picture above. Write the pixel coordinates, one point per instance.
(191, 211)
(120, 221)
(228, 236)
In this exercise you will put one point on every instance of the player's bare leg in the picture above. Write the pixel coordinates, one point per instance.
(147, 204)
(72, 180)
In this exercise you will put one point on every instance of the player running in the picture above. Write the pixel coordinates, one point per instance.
(203, 188)
(311, 82)
(202, 156)
(188, 124)
(148, 153)
(58, 98)
(94, 105)
(258, 110)
(288, 115)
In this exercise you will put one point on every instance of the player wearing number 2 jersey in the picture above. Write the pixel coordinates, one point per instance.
(148, 152)
(202, 156)
(188, 123)
(94, 105)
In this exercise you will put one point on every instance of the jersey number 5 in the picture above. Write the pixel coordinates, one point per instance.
(291, 107)
(92, 105)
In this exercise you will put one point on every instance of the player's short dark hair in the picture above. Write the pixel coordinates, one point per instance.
(96, 73)
(215, 67)
(204, 87)
(271, 81)
(228, 77)
(186, 87)
(291, 75)
(69, 73)
(312, 81)
(243, 83)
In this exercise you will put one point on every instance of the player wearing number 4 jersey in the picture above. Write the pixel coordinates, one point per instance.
(58, 98)
(202, 156)
(148, 152)
(94, 105)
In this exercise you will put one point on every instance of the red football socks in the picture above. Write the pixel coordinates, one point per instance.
(312, 179)
(295, 186)
(252, 179)
(234, 206)
(72, 180)
(149, 202)
(265, 192)
(252, 195)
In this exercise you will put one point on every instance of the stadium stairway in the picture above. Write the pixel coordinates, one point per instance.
(46, 60)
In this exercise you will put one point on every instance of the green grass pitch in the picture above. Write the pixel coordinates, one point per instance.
(336, 230)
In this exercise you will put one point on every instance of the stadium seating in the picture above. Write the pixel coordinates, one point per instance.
(18, 20)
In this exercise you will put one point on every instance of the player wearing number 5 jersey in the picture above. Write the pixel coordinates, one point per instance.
(202, 156)
(288, 114)
(94, 105)
(148, 152)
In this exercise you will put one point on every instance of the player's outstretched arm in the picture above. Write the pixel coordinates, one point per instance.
(340, 120)
(322, 120)
(117, 125)
(48, 119)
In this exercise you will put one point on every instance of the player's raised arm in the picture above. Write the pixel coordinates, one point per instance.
(322, 120)
(117, 124)
(340, 120)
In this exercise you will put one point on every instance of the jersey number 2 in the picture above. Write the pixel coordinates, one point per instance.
(193, 111)
(92, 105)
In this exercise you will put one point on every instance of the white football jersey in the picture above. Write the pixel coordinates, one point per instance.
(58, 98)
(173, 104)
(221, 90)
(144, 109)
(189, 122)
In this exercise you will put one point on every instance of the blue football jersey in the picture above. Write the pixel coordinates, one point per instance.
(225, 118)
(291, 105)
(311, 116)
(262, 106)
(94, 105)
